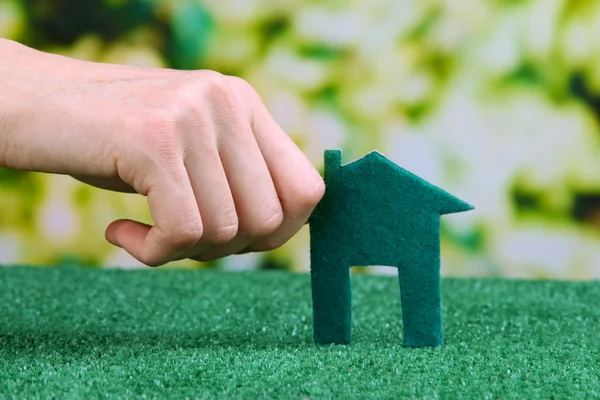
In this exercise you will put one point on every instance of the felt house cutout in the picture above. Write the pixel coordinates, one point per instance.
(377, 213)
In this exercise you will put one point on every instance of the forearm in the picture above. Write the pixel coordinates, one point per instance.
(26, 76)
(11, 98)
(41, 95)
(34, 104)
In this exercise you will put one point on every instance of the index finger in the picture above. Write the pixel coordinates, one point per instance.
(177, 221)
(297, 182)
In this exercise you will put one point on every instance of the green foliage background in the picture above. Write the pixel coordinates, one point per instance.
(495, 101)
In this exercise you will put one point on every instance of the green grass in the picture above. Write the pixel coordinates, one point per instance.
(88, 333)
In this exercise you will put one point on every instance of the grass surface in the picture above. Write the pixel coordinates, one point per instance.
(88, 333)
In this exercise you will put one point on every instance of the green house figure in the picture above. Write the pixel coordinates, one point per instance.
(377, 213)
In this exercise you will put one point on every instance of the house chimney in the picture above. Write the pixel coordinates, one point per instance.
(333, 163)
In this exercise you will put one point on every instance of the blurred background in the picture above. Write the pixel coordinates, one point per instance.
(495, 101)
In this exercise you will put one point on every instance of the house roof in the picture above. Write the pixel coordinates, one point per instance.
(447, 202)
(376, 156)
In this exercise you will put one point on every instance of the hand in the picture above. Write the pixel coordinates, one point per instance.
(220, 175)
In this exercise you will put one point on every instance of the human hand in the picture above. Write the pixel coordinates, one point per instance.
(220, 175)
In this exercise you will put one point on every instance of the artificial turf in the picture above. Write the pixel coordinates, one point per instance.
(90, 333)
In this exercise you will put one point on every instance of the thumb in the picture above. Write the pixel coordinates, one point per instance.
(128, 235)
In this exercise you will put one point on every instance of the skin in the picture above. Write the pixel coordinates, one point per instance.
(220, 176)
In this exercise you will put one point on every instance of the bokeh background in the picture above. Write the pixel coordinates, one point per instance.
(495, 101)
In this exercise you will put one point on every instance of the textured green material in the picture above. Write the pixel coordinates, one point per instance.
(74, 333)
(377, 213)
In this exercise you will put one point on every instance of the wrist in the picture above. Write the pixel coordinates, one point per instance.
(26, 75)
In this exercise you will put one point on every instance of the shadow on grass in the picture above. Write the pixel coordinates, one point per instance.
(79, 342)
(476, 313)
(73, 342)
(52, 340)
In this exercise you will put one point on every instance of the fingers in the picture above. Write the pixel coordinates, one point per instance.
(212, 191)
(258, 208)
(299, 185)
(254, 193)
(175, 213)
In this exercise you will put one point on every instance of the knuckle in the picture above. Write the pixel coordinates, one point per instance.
(226, 231)
(271, 219)
(267, 221)
(243, 86)
(184, 99)
(305, 195)
(180, 106)
(229, 94)
(219, 87)
(246, 91)
(166, 242)
(225, 234)
(186, 236)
